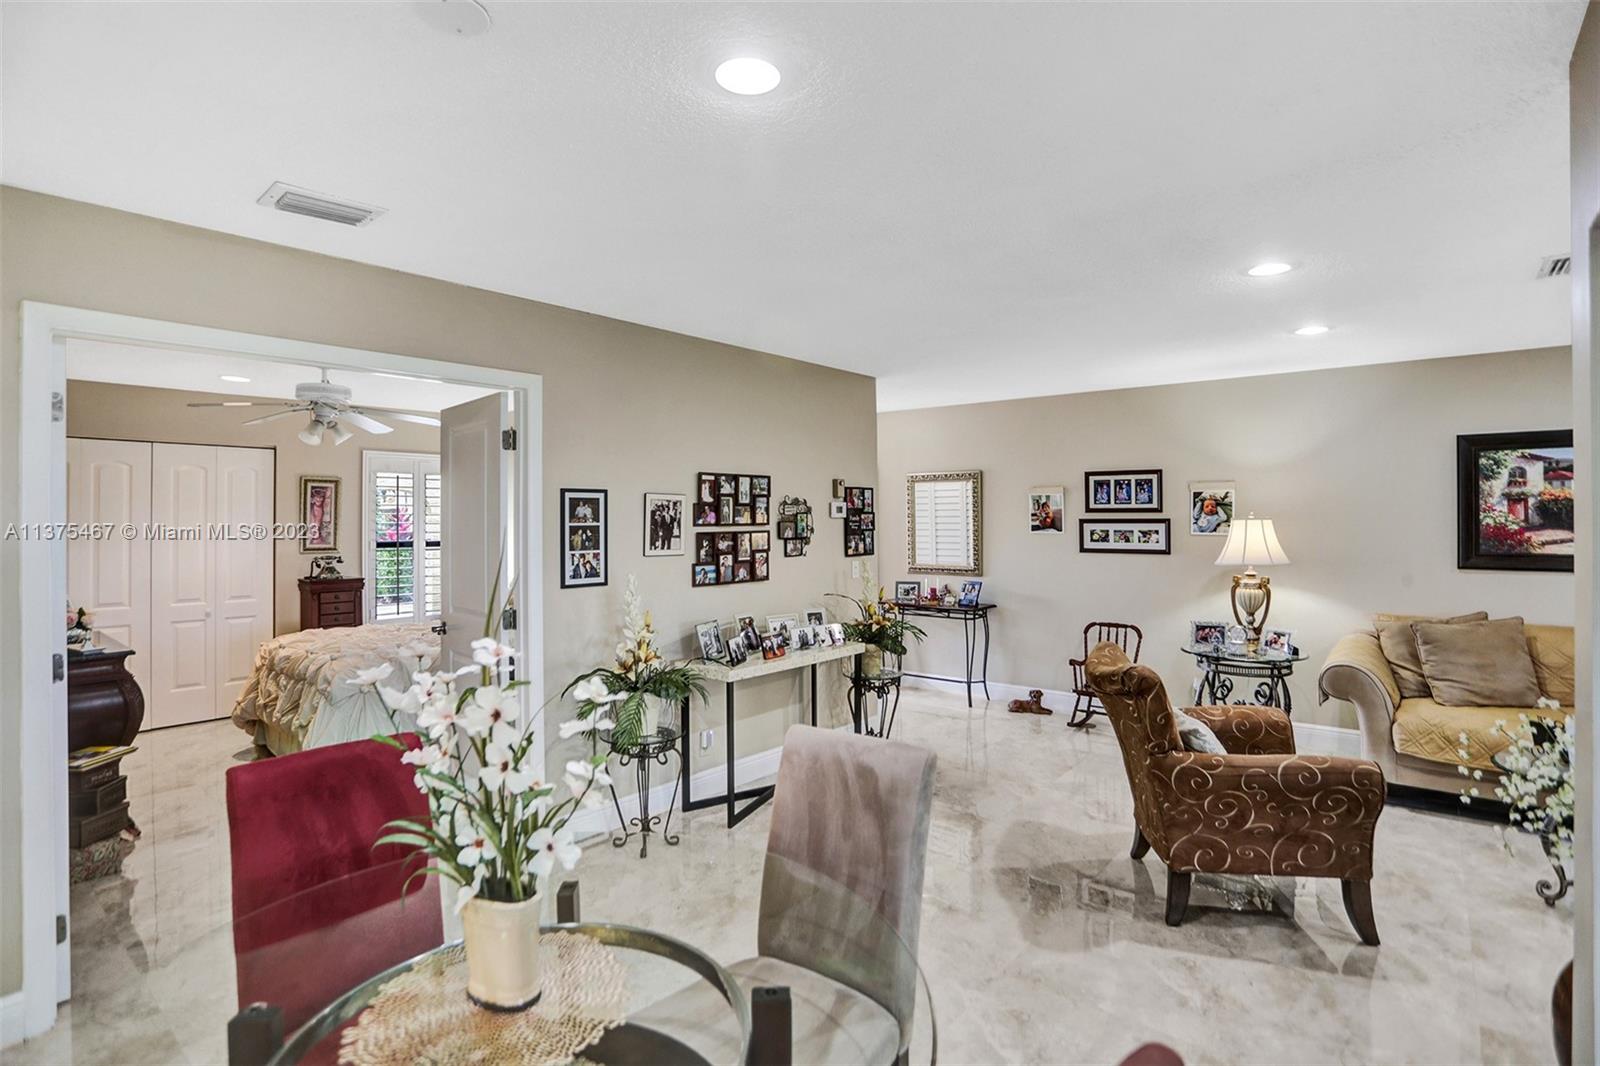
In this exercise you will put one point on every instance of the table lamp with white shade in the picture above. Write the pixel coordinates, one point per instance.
(1252, 543)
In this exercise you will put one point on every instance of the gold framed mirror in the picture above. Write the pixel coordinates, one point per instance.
(944, 523)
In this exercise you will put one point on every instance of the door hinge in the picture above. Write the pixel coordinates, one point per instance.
(61, 929)
(508, 440)
(58, 407)
(58, 667)
(508, 619)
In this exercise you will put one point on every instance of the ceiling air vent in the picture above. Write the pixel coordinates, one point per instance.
(299, 201)
(1555, 266)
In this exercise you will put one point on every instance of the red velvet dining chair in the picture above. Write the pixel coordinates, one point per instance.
(316, 908)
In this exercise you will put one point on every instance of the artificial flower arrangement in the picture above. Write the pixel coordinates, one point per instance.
(882, 625)
(639, 672)
(496, 828)
(1536, 781)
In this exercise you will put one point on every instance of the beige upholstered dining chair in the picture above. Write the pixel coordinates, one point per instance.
(841, 905)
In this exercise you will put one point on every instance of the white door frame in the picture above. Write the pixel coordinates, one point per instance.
(42, 585)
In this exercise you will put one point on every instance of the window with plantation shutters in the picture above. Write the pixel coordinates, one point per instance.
(943, 522)
(402, 524)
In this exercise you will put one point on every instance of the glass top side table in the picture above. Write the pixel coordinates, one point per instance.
(649, 748)
(1221, 667)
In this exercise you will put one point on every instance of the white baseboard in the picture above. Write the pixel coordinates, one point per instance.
(1309, 737)
(13, 1019)
(711, 781)
(1314, 739)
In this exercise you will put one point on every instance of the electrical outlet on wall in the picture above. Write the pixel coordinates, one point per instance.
(855, 568)
(707, 737)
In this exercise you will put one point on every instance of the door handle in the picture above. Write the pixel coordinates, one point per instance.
(440, 628)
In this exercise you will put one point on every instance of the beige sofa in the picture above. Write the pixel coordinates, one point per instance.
(1417, 740)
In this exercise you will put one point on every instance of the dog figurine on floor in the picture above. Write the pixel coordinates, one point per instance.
(1032, 704)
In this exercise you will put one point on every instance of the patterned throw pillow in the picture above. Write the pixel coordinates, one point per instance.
(1196, 735)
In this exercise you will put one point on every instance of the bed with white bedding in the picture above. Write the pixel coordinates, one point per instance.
(298, 694)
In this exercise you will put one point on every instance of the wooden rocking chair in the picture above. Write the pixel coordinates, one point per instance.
(1085, 703)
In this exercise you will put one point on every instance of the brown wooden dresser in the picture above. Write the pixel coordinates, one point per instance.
(328, 603)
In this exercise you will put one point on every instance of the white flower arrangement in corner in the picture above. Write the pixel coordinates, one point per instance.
(496, 829)
(1535, 781)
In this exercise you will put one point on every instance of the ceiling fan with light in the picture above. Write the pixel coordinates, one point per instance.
(330, 410)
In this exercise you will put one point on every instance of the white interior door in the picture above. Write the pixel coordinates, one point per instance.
(183, 683)
(477, 498)
(242, 601)
(108, 488)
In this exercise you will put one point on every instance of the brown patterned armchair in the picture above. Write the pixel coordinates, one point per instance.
(1260, 809)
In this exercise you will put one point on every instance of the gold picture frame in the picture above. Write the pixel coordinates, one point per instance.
(319, 514)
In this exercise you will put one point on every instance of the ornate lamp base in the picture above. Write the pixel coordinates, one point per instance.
(1251, 599)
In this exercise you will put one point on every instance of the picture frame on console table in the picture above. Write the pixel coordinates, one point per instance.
(1515, 501)
(584, 555)
(1125, 536)
(1122, 491)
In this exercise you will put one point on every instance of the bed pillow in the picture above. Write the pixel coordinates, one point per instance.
(1399, 646)
(1478, 664)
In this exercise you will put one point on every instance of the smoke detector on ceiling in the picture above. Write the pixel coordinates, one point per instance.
(1555, 266)
(297, 201)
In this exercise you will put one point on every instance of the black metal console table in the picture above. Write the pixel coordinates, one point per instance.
(651, 748)
(974, 620)
(1222, 665)
(731, 676)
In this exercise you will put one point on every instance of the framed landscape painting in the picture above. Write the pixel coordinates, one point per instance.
(1515, 495)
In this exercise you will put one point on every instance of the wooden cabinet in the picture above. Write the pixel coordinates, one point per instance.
(329, 603)
(104, 704)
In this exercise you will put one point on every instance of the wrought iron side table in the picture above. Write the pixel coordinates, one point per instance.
(650, 748)
(974, 620)
(1220, 667)
(884, 688)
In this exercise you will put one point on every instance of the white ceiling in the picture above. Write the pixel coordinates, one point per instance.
(967, 201)
(197, 371)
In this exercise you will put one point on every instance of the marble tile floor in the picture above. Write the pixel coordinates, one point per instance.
(1042, 941)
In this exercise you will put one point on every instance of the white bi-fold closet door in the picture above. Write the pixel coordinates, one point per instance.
(192, 592)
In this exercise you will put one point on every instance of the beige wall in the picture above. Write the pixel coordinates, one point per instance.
(1356, 467)
(626, 408)
(129, 412)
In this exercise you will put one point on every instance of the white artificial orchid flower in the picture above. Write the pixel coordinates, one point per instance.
(424, 756)
(500, 770)
(489, 706)
(574, 726)
(475, 846)
(418, 656)
(594, 691)
(371, 675)
(438, 718)
(466, 892)
(549, 848)
(400, 702)
(581, 773)
(486, 651)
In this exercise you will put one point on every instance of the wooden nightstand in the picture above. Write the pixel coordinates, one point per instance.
(328, 603)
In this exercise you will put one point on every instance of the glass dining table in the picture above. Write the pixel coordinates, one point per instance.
(315, 977)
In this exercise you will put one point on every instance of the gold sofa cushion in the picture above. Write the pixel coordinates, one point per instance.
(1478, 664)
(1400, 647)
(1554, 662)
(1424, 729)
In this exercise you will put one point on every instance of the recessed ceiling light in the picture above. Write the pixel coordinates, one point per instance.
(234, 378)
(1269, 270)
(1311, 331)
(748, 76)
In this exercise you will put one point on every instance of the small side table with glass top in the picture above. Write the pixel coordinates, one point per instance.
(649, 748)
(1223, 667)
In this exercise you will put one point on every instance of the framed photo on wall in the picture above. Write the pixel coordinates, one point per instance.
(1045, 506)
(1130, 536)
(1211, 507)
(663, 524)
(1515, 501)
(1125, 491)
(584, 557)
(319, 513)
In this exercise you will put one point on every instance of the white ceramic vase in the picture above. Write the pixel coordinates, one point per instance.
(502, 942)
